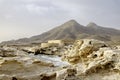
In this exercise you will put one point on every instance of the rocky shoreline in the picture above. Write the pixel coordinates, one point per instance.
(86, 59)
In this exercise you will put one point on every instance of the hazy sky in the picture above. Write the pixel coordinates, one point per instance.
(25, 18)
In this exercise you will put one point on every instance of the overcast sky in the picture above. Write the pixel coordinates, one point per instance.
(25, 18)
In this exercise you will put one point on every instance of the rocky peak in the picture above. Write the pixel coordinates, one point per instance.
(71, 23)
(92, 25)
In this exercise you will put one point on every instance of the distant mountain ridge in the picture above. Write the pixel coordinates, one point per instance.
(73, 30)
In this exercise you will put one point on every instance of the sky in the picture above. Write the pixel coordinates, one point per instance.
(25, 18)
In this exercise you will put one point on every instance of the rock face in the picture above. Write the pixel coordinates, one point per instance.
(90, 60)
(104, 59)
(94, 58)
(81, 49)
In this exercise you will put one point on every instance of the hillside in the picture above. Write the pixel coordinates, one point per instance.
(73, 30)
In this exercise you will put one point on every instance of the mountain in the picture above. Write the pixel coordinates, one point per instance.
(95, 29)
(73, 30)
(68, 30)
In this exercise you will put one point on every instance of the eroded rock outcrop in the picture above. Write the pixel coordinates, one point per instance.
(103, 59)
(94, 58)
(21, 67)
(90, 60)
(81, 49)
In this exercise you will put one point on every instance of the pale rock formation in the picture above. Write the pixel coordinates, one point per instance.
(93, 59)
(104, 59)
(81, 49)
(45, 45)
(24, 68)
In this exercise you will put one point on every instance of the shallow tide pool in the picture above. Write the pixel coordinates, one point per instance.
(56, 60)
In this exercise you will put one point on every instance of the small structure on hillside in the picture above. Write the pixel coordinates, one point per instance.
(57, 43)
(61, 42)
